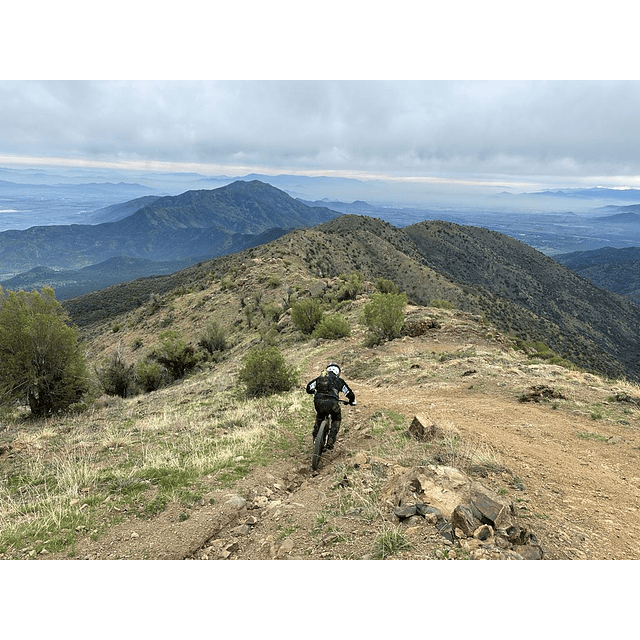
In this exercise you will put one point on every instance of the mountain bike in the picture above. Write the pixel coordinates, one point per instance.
(320, 443)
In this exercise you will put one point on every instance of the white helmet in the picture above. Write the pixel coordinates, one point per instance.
(334, 367)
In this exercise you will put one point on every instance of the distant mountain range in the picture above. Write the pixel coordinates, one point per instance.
(592, 193)
(626, 218)
(116, 212)
(193, 224)
(479, 270)
(122, 189)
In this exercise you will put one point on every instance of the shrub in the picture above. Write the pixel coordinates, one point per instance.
(332, 327)
(441, 304)
(213, 338)
(151, 376)
(386, 286)
(265, 372)
(271, 312)
(41, 362)
(353, 287)
(306, 314)
(116, 378)
(175, 354)
(383, 315)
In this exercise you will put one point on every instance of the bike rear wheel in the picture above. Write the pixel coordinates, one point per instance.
(319, 443)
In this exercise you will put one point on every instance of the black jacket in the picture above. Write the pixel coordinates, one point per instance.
(339, 386)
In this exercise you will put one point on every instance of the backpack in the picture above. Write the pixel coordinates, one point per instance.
(325, 383)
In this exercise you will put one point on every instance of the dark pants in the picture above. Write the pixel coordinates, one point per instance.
(325, 407)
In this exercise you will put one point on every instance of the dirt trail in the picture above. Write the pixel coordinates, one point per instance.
(580, 496)
(584, 495)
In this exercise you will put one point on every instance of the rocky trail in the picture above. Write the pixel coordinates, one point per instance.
(571, 481)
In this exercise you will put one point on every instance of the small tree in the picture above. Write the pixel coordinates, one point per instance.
(150, 375)
(306, 314)
(384, 315)
(265, 372)
(41, 362)
(353, 287)
(383, 285)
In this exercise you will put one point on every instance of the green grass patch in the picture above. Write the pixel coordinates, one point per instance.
(233, 473)
(389, 543)
(445, 356)
(590, 435)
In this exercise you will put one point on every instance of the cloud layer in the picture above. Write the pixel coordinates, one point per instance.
(485, 130)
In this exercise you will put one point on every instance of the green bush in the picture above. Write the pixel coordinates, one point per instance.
(441, 304)
(306, 314)
(151, 376)
(41, 362)
(117, 378)
(383, 316)
(354, 286)
(214, 338)
(386, 286)
(332, 327)
(265, 372)
(175, 354)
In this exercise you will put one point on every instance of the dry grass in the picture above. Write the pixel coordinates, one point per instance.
(139, 453)
(468, 454)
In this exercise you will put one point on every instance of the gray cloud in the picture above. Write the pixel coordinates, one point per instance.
(495, 128)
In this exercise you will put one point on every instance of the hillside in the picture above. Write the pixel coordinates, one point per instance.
(197, 471)
(115, 212)
(517, 288)
(195, 223)
(616, 270)
(94, 278)
(627, 218)
(71, 283)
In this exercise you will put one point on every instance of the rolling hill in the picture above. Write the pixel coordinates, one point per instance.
(196, 223)
(520, 290)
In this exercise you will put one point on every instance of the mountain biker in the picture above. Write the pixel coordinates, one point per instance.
(327, 387)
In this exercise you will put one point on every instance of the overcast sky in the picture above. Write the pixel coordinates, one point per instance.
(503, 131)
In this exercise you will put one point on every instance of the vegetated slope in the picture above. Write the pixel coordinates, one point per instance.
(530, 294)
(195, 223)
(196, 471)
(616, 270)
(71, 283)
(520, 289)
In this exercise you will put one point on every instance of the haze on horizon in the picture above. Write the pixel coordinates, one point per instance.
(436, 135)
